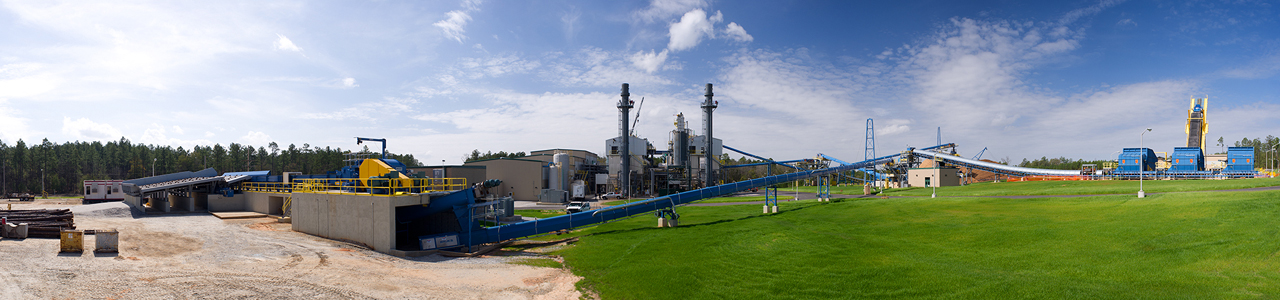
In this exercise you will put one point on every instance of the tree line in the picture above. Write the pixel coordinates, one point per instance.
(61, 168)
(477, 156)
(1060, 163)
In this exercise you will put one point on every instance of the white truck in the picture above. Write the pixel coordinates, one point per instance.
(578, 190)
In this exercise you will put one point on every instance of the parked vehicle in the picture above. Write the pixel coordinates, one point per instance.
(611, 196)
(579, 189)
(574, 207)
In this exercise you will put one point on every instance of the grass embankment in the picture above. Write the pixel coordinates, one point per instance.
(1084, 187)
(1185, 245)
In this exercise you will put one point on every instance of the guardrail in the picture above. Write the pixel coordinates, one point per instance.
(354, 186)
(377, 186)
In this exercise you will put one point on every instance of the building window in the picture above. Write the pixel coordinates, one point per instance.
(613, 150)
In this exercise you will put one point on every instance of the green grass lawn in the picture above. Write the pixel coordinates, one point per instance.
(781, 197)
(1184, 245)
(540, 213)
(1083, 187)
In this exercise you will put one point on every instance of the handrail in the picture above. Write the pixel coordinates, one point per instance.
(353, 186)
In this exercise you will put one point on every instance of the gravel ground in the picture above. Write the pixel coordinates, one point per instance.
(198, 256)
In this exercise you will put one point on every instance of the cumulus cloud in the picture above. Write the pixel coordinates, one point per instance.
(737, 33)
(454, 26)
(349, 82)
(691, 29)
(87, 130)
(650, 61)
(284, 44)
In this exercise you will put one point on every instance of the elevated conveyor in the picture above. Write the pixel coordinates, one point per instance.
(992, 167)
(480, 235)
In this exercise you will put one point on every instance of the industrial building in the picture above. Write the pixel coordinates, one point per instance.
(406, 211)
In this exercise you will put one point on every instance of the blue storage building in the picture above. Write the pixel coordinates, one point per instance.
(1187, 159)
(1133, 160)
(1239, 160)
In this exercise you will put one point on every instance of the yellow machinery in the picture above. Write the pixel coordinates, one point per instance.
(376, 167)
(1197, 128)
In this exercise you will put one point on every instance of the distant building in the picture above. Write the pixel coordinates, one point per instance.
(930, 177)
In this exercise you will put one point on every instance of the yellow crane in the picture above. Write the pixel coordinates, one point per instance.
(1197, 128)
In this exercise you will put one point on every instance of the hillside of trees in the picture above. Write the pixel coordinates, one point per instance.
(1061, 163)
(66, 165)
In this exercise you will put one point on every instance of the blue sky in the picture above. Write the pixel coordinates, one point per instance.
(439, 78)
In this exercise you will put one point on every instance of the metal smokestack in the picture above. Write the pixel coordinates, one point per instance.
(708, 106)
(624, 112)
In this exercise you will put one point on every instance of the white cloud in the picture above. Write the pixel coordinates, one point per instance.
(649, 62)
(661, 10)
(349, 82)
(177, 129)
(256, 138)
(1257, 69)
(737, 33)
(21, 80)
(970, 76)
(454, 26)
(594, 67)
(12, 126)
(284, 44)
(494, 66)
(86, 130)
(689, 31)
(158, 135)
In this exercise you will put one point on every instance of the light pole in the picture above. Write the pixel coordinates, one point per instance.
(936, 171)
(42, 182)
(1142, 163)
(153, 167)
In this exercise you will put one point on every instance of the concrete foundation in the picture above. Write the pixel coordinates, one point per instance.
(370, 220)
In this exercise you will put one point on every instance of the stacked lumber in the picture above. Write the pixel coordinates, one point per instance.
(42, 223)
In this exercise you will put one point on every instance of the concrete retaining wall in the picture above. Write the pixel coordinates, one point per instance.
(218, 202)
(365, 219)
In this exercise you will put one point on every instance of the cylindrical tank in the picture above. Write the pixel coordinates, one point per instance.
(553, 182)
(681, 150)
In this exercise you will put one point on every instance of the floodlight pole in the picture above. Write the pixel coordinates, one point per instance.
(1142, 163)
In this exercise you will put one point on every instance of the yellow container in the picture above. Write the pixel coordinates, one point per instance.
(72, 241)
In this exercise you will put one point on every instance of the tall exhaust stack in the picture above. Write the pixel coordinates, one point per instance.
(624, 113)
(707, 107)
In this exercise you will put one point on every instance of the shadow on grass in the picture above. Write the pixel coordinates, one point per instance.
(722, 221)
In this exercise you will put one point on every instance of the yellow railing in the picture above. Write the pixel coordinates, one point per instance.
(266, 187)
(377, 186)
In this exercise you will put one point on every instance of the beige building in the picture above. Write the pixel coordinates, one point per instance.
(473, 174)
(521, 177)
(929, 177)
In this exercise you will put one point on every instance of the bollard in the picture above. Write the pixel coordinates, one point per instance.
(19, 232)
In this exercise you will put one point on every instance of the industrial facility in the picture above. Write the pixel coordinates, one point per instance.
(406, 211)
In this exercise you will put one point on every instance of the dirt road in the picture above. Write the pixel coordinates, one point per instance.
(198, 256)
